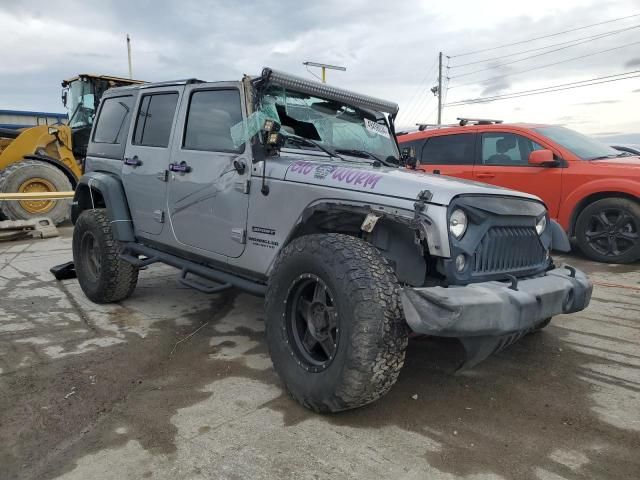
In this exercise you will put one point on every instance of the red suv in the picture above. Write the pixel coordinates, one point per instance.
(592, 190)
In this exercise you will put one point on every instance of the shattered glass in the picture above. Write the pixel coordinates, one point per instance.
(242, 131)
(331, 123)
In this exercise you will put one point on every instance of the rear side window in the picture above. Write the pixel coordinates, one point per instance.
(211, 115)
(507, 149)
(154, 120)
(112, 120)
(449, 150)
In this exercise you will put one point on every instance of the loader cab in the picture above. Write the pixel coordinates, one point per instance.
(81, 96)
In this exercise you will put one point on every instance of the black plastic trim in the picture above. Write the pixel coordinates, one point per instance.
(485, 212)
(200, 270)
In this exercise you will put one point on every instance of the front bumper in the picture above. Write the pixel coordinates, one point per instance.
(487, 316)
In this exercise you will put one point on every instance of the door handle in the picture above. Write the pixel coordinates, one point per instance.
(133, 161)
(485, 175)
(181, 167)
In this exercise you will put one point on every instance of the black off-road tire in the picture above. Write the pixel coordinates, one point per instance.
(15, 175)
(103, 276)
(372, 335)
(609, 206)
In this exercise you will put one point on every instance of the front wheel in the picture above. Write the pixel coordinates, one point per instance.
(103, 276)
(335, 330)
(609, 230)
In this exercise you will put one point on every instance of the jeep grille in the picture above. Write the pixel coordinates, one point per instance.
(506, 249)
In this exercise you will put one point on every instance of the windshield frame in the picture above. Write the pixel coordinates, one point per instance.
(567, 139)
(78, 92)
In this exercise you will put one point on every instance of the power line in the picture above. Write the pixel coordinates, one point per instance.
(544, 36)
(410, 104)
(541, 89)
(423, 103)
(587, 40)
(546, 65)
(594, 37)
(489, 100)
(551, 88)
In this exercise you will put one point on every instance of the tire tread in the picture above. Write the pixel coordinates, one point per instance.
(380, 334)
(121, 277)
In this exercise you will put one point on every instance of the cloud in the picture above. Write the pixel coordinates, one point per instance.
(497, 86)
(389, 48)
(634, 62)
(599, 102)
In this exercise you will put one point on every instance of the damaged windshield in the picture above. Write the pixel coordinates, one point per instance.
(331, 125)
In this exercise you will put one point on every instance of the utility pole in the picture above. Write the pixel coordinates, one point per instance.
(129, 55)
(440, 89)
(324, 67)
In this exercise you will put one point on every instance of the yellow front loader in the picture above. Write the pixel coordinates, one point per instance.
(50, 158)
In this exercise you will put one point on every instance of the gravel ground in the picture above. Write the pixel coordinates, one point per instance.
(122, 391)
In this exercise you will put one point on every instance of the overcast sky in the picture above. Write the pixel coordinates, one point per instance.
(389, 49)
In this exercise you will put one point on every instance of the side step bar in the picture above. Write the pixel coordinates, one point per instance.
(201, 287)
(225, 279)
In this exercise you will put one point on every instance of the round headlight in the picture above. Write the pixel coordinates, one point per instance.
(541, 225)
(458, 223)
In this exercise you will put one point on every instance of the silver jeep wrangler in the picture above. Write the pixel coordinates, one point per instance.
(296, 191)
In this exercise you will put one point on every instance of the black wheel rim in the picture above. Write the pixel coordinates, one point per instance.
(612, 232)
(312, 323)
(90, 254)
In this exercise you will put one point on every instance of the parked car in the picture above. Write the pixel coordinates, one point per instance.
(289, 188)
(631, 148)
(591, 189)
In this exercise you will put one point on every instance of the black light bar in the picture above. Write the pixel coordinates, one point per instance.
(323, 90)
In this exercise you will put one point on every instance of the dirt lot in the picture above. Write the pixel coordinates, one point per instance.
(122, 391)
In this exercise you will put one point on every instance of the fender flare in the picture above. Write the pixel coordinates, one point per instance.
(111, 191)
(410, 262)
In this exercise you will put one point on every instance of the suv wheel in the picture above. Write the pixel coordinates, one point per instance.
(335, 330)
(103, 276)
(609, 230)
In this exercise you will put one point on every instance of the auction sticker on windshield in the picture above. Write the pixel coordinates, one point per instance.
(376, 128)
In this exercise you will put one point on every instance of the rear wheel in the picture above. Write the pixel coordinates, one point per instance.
(103, 276)
(33, 176)
(335, 330)
(609, 230)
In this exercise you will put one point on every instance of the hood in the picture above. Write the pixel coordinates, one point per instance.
(630, 164)
(395, 182)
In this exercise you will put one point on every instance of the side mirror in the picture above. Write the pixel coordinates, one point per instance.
(408, 157)
(541, 158)
(64, 98)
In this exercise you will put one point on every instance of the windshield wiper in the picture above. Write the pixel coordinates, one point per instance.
(305, 141)
(364, 153)
(603, 157)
